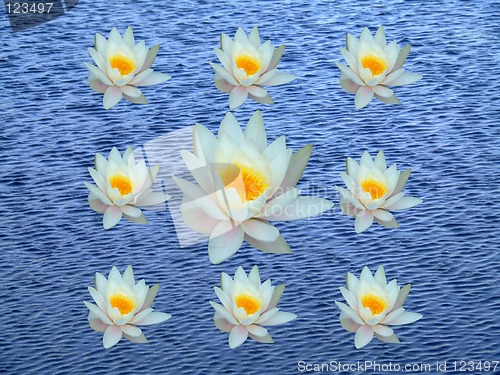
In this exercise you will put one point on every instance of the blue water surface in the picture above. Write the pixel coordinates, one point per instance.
(446, 130)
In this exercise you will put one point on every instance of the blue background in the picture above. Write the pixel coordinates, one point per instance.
(446, 130)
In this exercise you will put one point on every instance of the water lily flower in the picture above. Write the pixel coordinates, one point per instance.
(122, 187)
(122, 65)
(247, 65)
(374, 190)
(243, 184)
(373, 66)
(374, 305)
(122, 305)
(247, 306)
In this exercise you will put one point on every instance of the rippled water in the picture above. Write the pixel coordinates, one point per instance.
(446, 130)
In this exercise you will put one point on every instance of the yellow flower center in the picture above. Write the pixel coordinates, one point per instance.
(249, 64)
(121, 183)
(375, 303)
(249, 183)
(374, 63)
(376, 188)
(123, 303)
(122, 63)
(249, 303)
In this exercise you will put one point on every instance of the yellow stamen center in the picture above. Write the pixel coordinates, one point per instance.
(249, 303)
(121, 183)
(249, 64)
(122, 63)
(375, 64)
(376, 188)
(249, 183)
(123, 303)
(375, 303)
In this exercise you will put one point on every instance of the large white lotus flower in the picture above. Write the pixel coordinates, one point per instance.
(247, 65)
(373, 306)
(373, 66)
(374, 189)
(122, 305)
(243, 184)
(248, 305)
(122, 65)
(122, 187)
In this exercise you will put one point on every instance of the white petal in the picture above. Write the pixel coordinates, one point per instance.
(363, 336)
(131, 211)
(403, 294)
(257, 330)
(405, 318)
(277, 247)
(296, 167)
(382, 330)
(150, 58)
(222, 72)
(379, 276)
(112, 96)
(260, 230)
(224, 313)
(348, 324)
(350, 299)
(237, 336)
(382, 215)
(131, 330)
(150, 296)
(257, 91)
(277, 54)
(237, 97)
(153, 79)
(393, 339)
(280, 78)
(222, 323)
(153, 318)
(404, 203)
(403, 54)
(112, 216)
(348, 85)
(224, 241)
(280, 317)
(141, 339)
(349, 312)
(382, 91)
(364, 96)
(405, 79)
(363, 222)
(255, 131)
(112, 335)
(131, 91)
(98, 313)
(380, 36)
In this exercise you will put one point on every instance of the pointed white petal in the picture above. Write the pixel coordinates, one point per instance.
(112, 96)
(364, 96)
(112, 335)
(111, 217)
(224, 241)
(237, 336)
(363, 336)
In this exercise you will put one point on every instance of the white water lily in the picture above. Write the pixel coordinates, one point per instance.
(374, 305)
(374, 190)
(247, 306)
(247, 65)
(122, 305)
(244, 183)
(122, 65)
(373, 66)
(122, 187)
